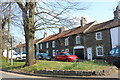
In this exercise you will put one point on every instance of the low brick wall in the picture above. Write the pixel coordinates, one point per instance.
(78, 73)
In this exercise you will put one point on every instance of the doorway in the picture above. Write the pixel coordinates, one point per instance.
(79, 53)
(89, 53)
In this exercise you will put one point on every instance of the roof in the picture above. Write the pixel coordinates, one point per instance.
(37, 40)
(21, 45)
(67, 33)
(105, 25)
(24, 44)
(79, 29)
(90, 27)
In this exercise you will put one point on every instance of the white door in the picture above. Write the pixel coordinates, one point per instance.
(89, 53)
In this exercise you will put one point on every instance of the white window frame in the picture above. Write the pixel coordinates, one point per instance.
(66, 41)
(40, 46)
(53, 52)
(77, 41)
(53, 44)
(66, 50)
(97, 36)
(47, 51)
(47, 45)
(62, 50)
(97, 50)
(57, 51)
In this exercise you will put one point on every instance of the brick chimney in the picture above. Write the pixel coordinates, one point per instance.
(117, 11)
(61, 29)
(20, 43)
(83, 21)
(45, 35)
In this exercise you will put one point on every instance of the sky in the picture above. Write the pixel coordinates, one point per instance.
(97, 10)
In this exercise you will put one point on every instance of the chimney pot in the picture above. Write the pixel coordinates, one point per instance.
(61, 29)
(45, 35)
(83, 21)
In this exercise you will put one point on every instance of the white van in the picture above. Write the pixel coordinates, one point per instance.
(14, 54)
(22, 55)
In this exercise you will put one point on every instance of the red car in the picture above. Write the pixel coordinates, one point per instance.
(65, 56)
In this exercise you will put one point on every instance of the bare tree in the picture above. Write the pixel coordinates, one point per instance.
(28, 11)
(43, 15)
(3, 20)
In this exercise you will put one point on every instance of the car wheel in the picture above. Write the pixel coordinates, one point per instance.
(17, 58)
(53, 59)
(49, 59)
(37, 58)
(67, 60)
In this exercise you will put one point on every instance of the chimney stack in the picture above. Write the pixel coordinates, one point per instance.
(83, 21)
(117, 11)
(20, 43)
(61, 29)
(45, 35)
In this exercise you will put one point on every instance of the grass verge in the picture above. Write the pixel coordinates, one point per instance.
(56, 65)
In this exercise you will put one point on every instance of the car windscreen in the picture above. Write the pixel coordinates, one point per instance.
(115, 51)
(23, 52)
(67, 53)
(44, 54)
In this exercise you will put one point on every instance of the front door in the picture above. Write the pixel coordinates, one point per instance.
(89, 53)
(79, 53)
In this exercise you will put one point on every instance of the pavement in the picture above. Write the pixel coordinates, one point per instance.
(113, 75)
(14, 76)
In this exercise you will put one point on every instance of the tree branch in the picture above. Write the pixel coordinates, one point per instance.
(44, 28)
(21, 5)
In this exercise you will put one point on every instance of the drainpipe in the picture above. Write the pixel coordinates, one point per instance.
(84, 46)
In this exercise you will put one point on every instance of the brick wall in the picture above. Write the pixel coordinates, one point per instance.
(90, 41)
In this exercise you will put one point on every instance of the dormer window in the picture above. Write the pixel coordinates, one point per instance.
(77, 39)
(53, 44)
(66, 42)
(98, 36)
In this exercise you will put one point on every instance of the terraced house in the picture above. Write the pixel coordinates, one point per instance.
(88, 41)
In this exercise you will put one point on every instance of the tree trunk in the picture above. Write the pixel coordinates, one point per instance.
(28, 19)
(0, 38)
(30, 57)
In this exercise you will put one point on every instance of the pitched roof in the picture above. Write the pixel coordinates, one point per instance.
(79, 29)
(48, 38)
(67, 33)
(105, 25)
(37, 40)
(21, 45)
(24, 44)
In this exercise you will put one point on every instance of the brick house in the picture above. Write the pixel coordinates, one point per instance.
(102, 37)
(99, 39)
(66, 40)
(22, 46)
(88, 41)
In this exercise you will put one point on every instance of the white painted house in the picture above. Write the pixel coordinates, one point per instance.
(115, 36)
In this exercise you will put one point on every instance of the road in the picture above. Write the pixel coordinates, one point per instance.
(7, 75)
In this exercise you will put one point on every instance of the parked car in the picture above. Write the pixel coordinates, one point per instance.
(14, 54)
(65, 56)
(22, 55)
(43, 56)
(114, 56)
